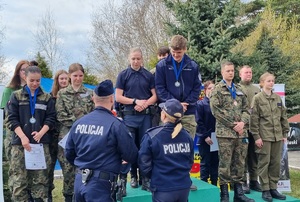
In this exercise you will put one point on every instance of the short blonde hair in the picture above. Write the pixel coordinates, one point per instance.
(178, 42)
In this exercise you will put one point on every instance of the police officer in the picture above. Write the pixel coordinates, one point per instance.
(96, 145)
(269, 126)
(135, 90)
(167, 155)
(229, 106)
(250, 90)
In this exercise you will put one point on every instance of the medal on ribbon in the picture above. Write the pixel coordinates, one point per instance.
(32, 101)
(177, 71)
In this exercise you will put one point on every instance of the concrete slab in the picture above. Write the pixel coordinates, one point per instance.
(294, 159)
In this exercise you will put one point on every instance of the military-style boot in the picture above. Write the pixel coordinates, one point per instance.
(224, 196)
(123, 184)
(245, 188)
(146, 184)
(239, 195)
(275, 194)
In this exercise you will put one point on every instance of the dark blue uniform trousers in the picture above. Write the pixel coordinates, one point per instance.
(137, 125)
(95, 190)
(209, 164)
(171, 196)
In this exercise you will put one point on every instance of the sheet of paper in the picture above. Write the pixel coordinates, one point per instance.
(35, 159)
(215, 145)
(63, 141)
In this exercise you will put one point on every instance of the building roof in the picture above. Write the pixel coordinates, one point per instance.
(294, 119)
(47, 83)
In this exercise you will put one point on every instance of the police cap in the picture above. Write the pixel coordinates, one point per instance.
(173, 108)
(104, 88)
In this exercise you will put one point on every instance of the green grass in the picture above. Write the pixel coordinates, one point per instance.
(295, 183)
(57, 192)
(294, 176)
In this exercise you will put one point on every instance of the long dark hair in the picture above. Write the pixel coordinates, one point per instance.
(15, 82)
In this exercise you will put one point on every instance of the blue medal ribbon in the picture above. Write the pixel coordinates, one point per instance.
(231, 89)
(177, 72)
(32, 101)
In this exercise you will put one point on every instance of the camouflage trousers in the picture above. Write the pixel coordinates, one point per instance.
(68, 170)
(6, 161)
(232, 155)
(21, 178)
(189, 124)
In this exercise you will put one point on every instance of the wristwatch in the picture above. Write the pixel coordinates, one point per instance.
(134, 101)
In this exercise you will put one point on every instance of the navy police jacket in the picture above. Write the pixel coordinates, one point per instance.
(206, 122)
(165, 160)
(189, 78)
(100, 141)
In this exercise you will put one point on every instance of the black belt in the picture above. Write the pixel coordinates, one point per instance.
(101, 175)
(134, 112)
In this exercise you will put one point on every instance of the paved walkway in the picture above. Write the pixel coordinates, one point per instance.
(294, 159)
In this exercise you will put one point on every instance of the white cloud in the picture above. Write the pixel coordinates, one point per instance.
(19, 18)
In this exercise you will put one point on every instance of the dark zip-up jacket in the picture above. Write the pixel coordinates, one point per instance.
(19, 114)
(206, 122)
(189, 78)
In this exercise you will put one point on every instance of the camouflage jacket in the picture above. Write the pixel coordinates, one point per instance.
(227, 110)
(268, 119)
(71, 105)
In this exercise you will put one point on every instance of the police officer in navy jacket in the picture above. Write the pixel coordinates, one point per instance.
(97, 144)
(167, 154)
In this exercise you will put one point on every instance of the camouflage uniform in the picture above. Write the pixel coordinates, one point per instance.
(70, 105)
(268, 121)
(251, 160)
(20, 176)
(21, 179)
(7, 134)
(232, 148)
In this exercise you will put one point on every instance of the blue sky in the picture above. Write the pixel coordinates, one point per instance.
(73, 19)
(19, 20)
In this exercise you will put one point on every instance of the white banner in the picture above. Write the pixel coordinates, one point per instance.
(284, 184)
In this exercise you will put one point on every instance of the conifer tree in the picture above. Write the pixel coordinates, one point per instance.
(46, 72)
(211, 28)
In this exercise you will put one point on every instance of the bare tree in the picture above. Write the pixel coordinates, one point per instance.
(48, 41)
(3, 73)
(119, 27)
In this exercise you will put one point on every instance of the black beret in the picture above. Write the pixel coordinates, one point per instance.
(104, 88)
